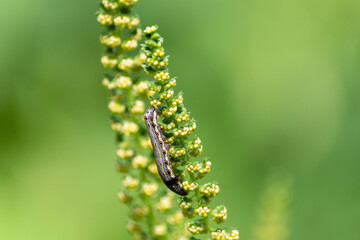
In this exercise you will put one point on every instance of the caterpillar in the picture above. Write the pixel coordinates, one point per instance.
(162, 158)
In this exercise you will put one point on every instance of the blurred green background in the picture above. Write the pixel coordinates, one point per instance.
(274, 86)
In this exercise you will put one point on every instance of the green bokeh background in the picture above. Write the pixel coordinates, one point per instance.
(274, 86)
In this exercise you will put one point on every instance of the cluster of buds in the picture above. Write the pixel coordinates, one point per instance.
(120, 82)
(171, 83)
(196, 227)
(202, 211)
(108, 62)
(126, 64)
(200, 168)
(185, 131)
(125, 151)
(129, 44)
(127, 128)
(110, 41)
(125, 21)
(195, 147)
(219, 214)
(210, 189)
(140, 161)
(142, 90)
(167, 94)
(170, 110)
(109, 5)
(176, 219)
(138, 107)
(150, 189)
(130, 183)
(178, 152)
(116, 107)
(223, 235)
(168, 126)
(160, 230)
(183, 117)
(185, 203)
(128, 3)
(190, 186)
(165, 203)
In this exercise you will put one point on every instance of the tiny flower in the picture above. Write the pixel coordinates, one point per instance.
(189, 186)
(162, 76)
(196, 228)
(160, 230)
(170, 140)
(108, 62)
(121, 21)
(179, 100)
(134, 22)
(156, 103)
(176, 219)
(149, 30)
(111, 41)
(105, 19)
(219, 214)
(172, 82)
(182, 117)
(150, 188)
(219, 235)
(197, 152)
(202, 211)
(116, 126)
(139, 161)
(130, 44)
(106, 82)
(109, 5)
(116, 107)
(167, 95)
(195, 144)
(209, 189)
(138, 108)
(130, 182)
(168, 126)
(159, 53)
(185, 131)
(177, 152)
(123, 82)
(206, 169)
(141, 88)
(234, 235)
(128, 3)
(124, 153)
(165, 203)
(126, 64)
(129, 128)
(169, 111)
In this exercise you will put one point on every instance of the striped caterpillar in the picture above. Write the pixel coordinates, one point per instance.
(162, 158)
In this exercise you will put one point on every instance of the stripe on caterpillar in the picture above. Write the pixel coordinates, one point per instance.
(162, 158)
